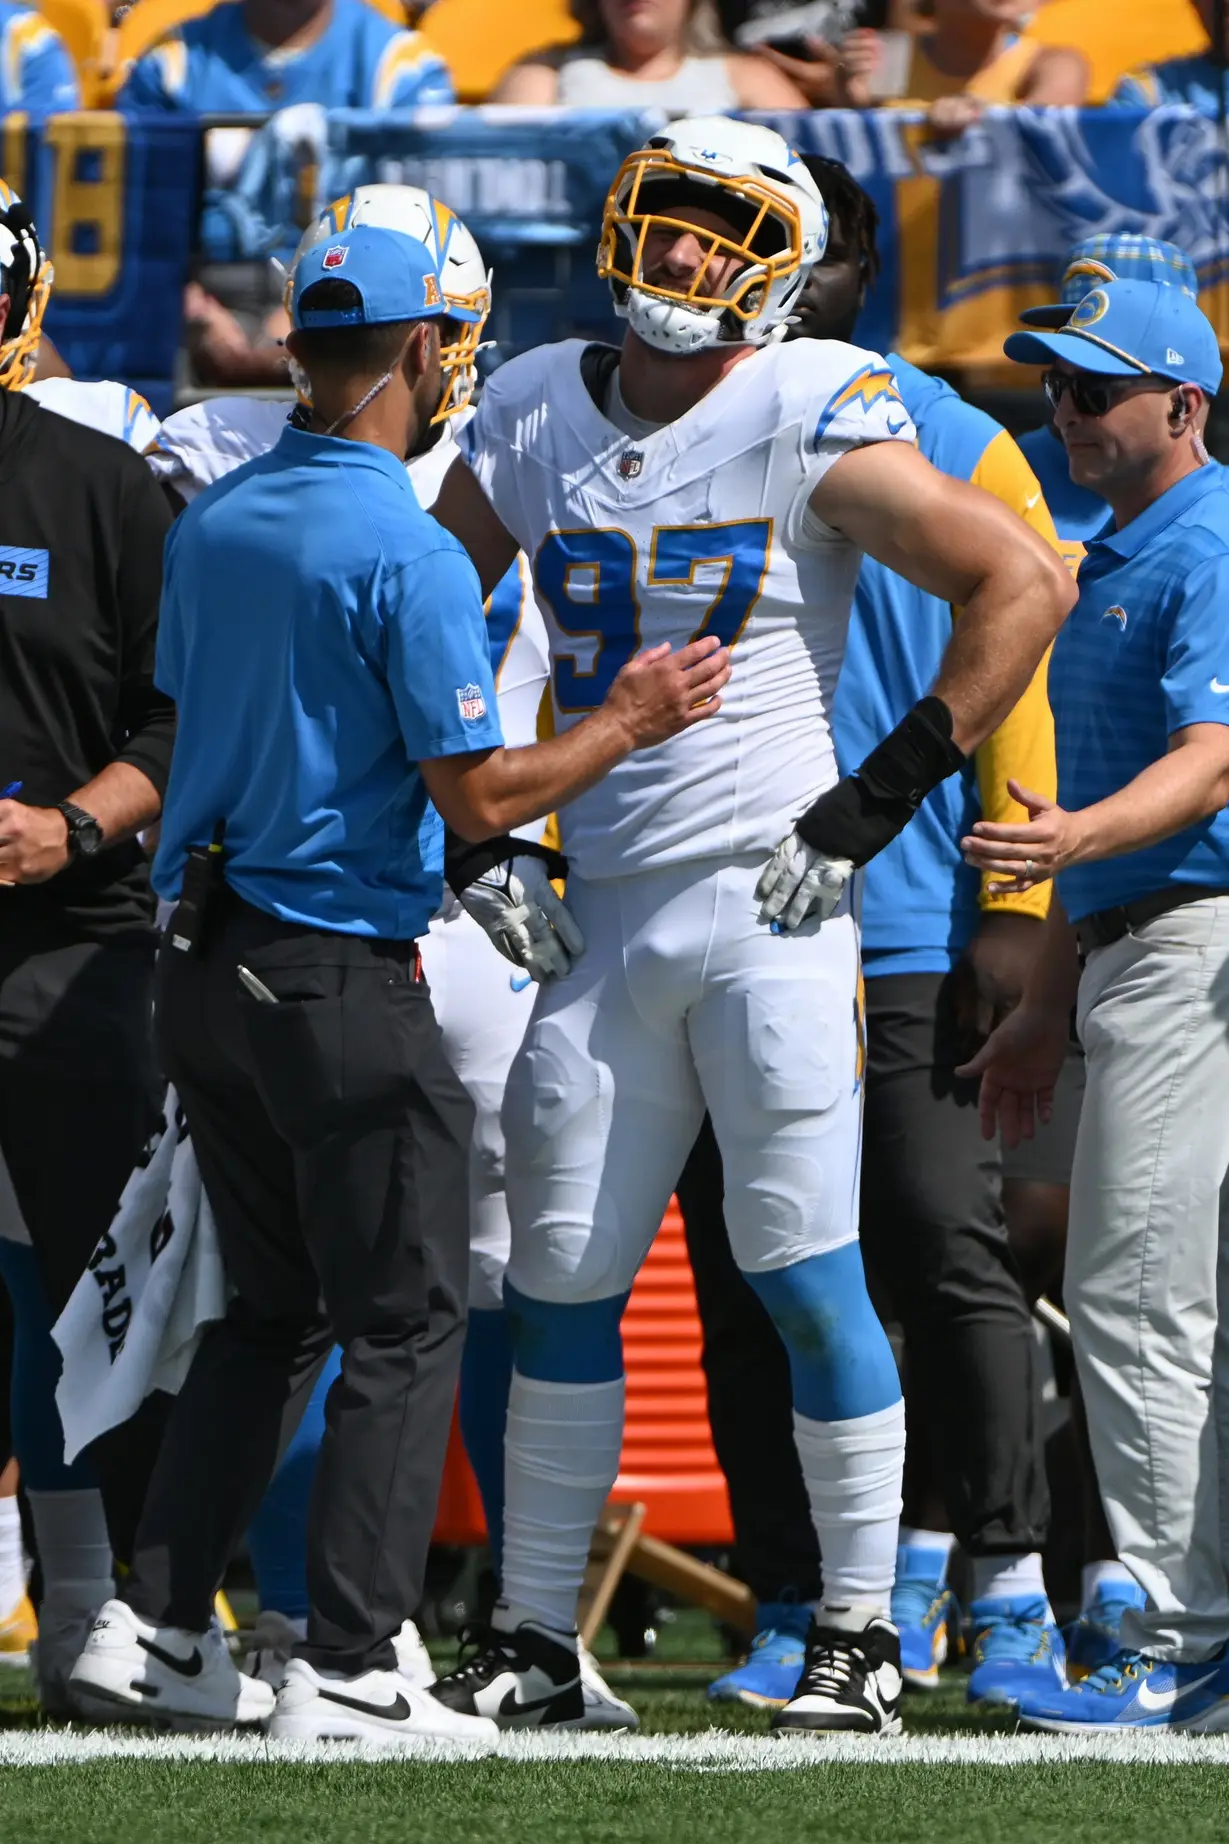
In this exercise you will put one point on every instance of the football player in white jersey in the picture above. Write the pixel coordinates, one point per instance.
(706, 478)
(482, 1003)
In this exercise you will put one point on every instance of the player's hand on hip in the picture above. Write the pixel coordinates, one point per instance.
(516, 905)
(1019, 1065)
(799, 882)
(660, 691)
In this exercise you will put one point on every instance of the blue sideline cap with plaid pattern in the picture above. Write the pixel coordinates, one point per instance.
(392, 274)
(1130, 330)
(1115, 257)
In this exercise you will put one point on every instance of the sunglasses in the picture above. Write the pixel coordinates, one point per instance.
(1092, 396)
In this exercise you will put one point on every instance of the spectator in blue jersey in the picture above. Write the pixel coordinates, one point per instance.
(257, 56)
(36, 72)
(1196, 81)
(1078, 512)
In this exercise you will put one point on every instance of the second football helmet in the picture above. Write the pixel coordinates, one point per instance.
(465, 282)
(26, 276)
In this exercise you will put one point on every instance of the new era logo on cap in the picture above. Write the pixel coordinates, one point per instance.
(334, 256)
(1172, 357)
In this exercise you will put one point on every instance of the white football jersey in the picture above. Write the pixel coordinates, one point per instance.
(696, 528)
(207, 440)
(113, 408)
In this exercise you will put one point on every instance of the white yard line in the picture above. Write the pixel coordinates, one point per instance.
(711, 1753)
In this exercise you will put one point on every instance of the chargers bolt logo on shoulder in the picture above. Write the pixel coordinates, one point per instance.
(471, 703)
(1091, 309)
(334, 256)
(23, 572)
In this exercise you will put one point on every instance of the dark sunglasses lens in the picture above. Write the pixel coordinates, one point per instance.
(1090, 399)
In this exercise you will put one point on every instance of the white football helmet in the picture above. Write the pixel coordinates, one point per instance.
(26, 276)
(752, 179)
(463, 278)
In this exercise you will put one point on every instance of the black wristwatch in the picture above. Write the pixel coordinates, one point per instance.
(84, 832)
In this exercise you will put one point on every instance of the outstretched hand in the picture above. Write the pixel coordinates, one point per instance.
(1019, 1065)
(661, 691)
(1021, 854)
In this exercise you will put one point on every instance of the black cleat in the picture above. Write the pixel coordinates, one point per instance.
(850, 1684)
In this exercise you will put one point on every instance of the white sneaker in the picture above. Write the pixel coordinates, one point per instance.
(381, 1706)
(63, 1629)
(164, 1675)
(413, 1658)
(274, 1638)
(603, 1710)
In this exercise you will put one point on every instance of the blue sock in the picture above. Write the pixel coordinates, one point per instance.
(839, 1357)
(277, 1535)
(38, 1438)
(486, 1378)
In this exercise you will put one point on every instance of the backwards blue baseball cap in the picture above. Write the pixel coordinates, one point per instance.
(394, 277)
(1115, 257)
(1131, 330)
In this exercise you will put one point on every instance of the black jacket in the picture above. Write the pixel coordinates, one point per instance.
(82, 524)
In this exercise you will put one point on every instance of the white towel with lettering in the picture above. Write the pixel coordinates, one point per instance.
(153, 1283)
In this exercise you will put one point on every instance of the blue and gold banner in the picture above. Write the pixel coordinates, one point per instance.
(116, 204)
(972, 230)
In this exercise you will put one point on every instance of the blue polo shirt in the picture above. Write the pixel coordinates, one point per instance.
(320, 635)
(1144, 653)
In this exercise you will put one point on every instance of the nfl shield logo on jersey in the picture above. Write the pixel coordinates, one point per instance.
(631, 463)
(471, 703)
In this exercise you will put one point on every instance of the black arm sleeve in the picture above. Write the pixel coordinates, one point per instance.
(865, 811)
(464, 864)
(147, 716)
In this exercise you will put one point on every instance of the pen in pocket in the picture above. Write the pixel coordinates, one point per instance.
(256, 987)
(12, 790)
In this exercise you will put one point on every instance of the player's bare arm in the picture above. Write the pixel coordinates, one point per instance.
(655, 696)
(963, 544)
(464, 509)
(960, 543)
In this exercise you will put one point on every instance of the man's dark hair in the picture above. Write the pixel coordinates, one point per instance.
(356, 349)
(853, 209)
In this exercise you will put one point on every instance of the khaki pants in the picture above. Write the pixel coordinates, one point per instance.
(1147, 1282)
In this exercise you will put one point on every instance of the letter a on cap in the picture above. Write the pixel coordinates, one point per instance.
(430, 291)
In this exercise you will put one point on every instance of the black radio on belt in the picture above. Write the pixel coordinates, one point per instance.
(200, 895)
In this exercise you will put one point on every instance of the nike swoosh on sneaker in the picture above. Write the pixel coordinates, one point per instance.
(186, 1667)
(396, 1711)
(511, 1707)
(1156, 1701)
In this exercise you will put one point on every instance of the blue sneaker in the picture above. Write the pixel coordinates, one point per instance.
(768, 1676)
(1094, 1639)
(922, 1612)
(1136, 1692)
(1016, 1646)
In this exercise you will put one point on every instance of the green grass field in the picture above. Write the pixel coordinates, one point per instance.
(744, 1790)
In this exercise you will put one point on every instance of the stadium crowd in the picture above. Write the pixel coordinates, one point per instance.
(908, 948)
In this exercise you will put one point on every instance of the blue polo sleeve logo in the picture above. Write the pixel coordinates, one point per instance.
(23, 572)
(471, 703)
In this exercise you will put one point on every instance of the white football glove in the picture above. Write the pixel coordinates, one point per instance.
(518, 909)
(798, 882)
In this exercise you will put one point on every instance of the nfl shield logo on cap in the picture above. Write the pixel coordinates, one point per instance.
(334, 256)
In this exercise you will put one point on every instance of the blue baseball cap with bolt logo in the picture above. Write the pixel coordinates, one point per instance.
(392, 276)
(1131, 330)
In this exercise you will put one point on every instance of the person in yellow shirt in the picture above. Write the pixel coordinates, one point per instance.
(977, 52)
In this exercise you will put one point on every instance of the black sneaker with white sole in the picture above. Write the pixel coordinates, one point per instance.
(526, 1679)
(850, 1683)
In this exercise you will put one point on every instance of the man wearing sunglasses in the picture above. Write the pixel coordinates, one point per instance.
(1139, 683)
